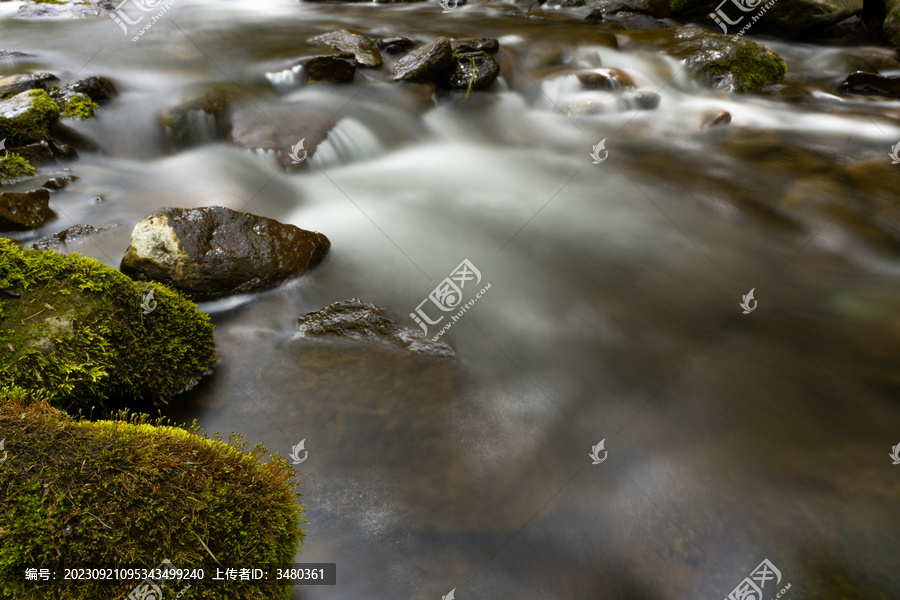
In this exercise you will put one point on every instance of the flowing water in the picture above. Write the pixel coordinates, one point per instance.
(612, 313)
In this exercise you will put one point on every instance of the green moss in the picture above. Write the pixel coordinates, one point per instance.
(34, 125)
(755, 66)
(77, 335)
(129, 492)
(15, 168)
(48, 2)
(79, 107)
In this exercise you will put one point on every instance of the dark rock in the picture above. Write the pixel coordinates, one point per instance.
(715, 119)
(98, 89)
(58, 183)
(60, 239)
(425, 63)
(331, 68)
(356, 320)
(655, 8)
(489, 45)
(605, 79)
(718, 61)
(202, 117)
(44, 151)
(358, 44)
(870, 84)
(395, 45)
(16, 84)
(213, 252)
(472, 70)
(24, 210)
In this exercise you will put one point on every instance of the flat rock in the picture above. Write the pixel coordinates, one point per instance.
(214, 252)
(364, 50)
(25, 210)
(871, 84)
(359, 321)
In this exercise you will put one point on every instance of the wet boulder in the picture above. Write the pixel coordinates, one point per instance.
(214, 252)
(472, 71)
(360, 321)
(16, 84)
(426, 63)
(79, 99)
(395, 44)
(606, 79)
(44, 151)
(25, 210)
(871, 84)
(358, 44)
(27, 117)
(718, 61)
(73, 331)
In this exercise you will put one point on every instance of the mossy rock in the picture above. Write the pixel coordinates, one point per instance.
(716, 60)
(14, 168)
(73, 330)
(27, 117)
(77, 106)
(119, 493)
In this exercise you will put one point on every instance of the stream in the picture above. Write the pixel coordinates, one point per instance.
(613, 310)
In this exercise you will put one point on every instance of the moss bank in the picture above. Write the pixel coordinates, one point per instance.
(73, 330)
(14, 168)
(115, 493)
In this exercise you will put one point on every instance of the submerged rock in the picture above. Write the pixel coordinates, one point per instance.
(358, 44)
(718, 61)
(214, 251)
(73, 331)
(395, 44)
(25, 210)
(426, 63)
(472, 71)
(359, 321)
(870, 84)
(200, 118)
(279, 129)
(716, 119)
(607, 79)
(75, 233)
(328, 68)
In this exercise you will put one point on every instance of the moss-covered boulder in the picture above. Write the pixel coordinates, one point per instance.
(718, 61)
(84, 335)
(116, 493)
(13, 168)
(27, 117)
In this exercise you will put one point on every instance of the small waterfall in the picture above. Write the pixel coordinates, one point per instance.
(348, 141)
(285, 79)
